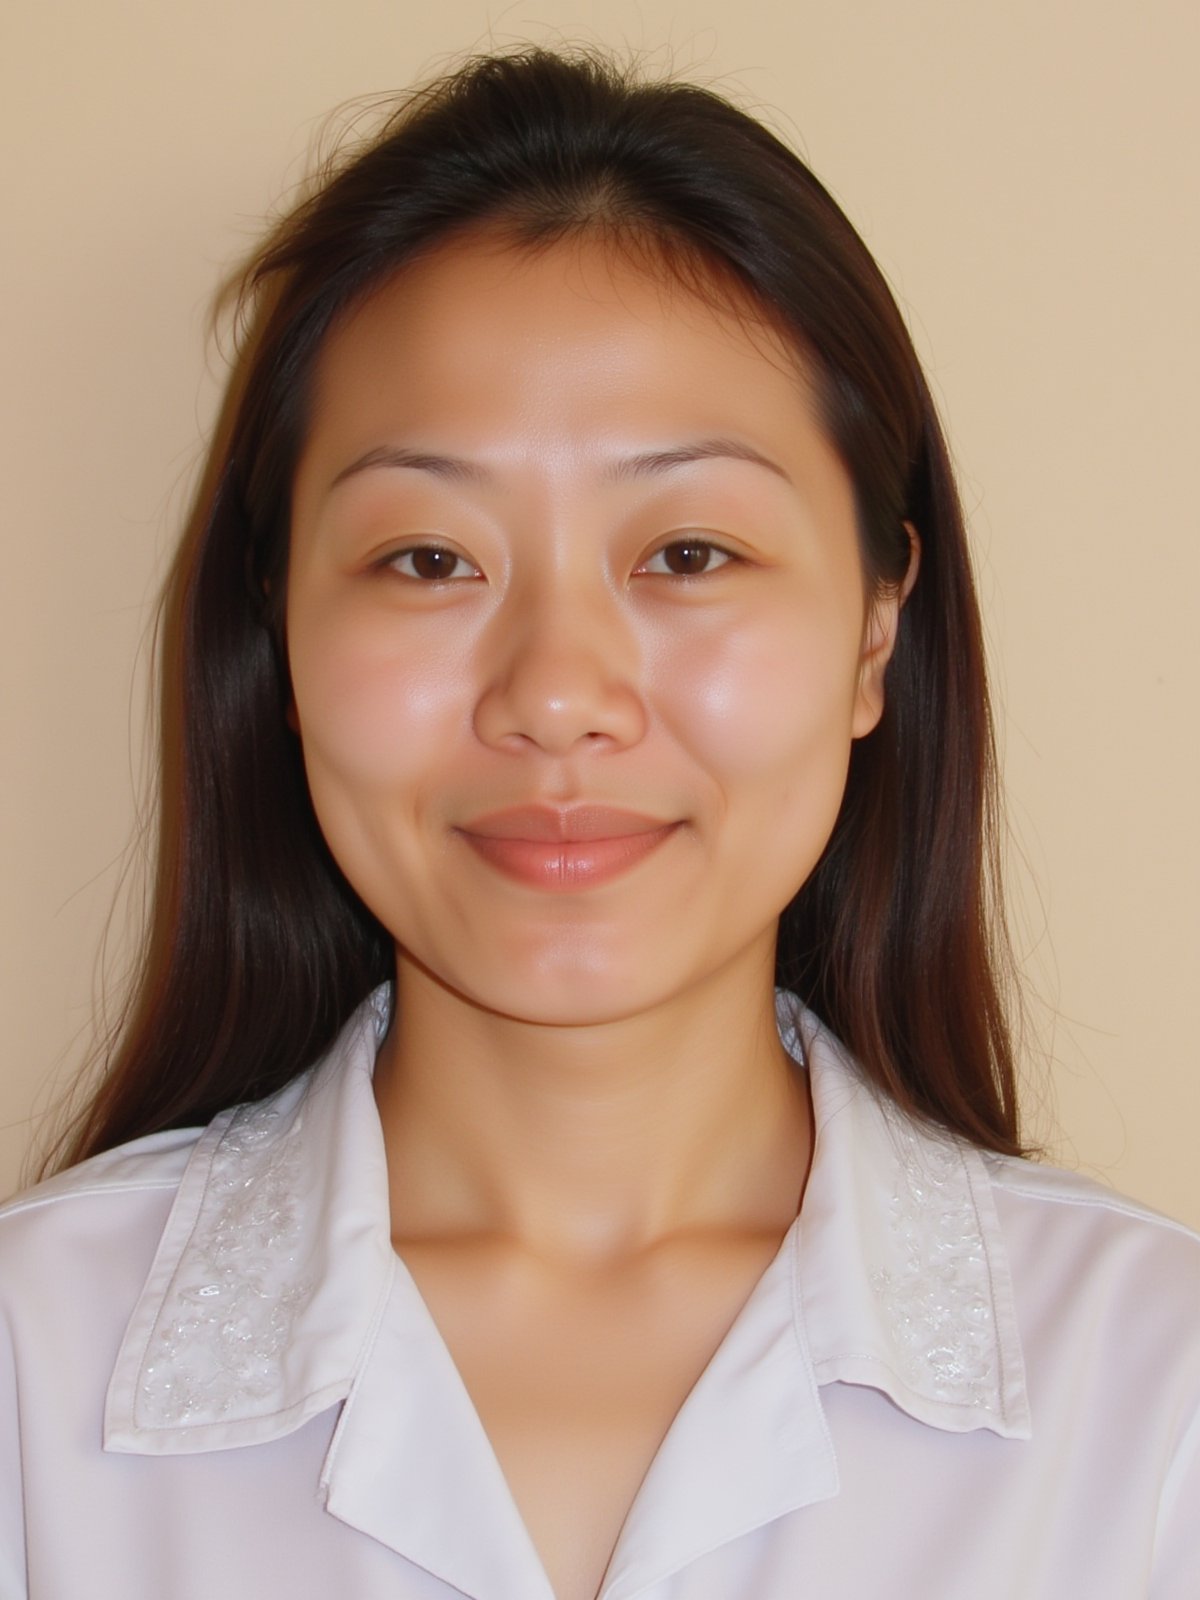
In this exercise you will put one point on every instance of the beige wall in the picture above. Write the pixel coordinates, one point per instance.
(1025, 174)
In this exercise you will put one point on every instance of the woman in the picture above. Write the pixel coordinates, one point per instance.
(564, 1140)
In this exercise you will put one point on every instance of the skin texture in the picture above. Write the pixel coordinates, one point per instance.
(578, 1078)
(595, 1140)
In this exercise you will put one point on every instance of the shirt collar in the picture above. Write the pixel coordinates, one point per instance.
(904, 1279)
(410, 1464)
(275, 1267)
(271, 1269)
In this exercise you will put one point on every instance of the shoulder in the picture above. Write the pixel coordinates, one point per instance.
(140, 1167)
(93, 1226)
(74, 1254)
(1075, 1207)
(1096, 1273)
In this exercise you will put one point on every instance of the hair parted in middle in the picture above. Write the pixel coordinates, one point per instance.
(258, 949)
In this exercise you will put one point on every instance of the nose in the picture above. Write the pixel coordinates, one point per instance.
(561, 673)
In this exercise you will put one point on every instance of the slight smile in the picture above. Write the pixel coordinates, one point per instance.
(565, 850)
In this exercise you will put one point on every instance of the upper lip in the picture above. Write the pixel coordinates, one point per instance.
(563, 824)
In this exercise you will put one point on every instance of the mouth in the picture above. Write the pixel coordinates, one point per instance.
(565, 850)
(563, 824)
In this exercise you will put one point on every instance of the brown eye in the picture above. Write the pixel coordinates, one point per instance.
(688, 558)
(431, 562)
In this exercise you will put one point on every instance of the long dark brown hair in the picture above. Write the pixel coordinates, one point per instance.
(257, 949)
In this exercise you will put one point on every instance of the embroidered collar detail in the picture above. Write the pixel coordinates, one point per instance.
(221, 1337)
(276, 1261)
(902, 1269)
(273, 1263)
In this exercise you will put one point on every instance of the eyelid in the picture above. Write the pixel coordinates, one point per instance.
(394, 557)
(730, 556)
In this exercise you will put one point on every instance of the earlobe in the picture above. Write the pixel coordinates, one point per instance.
(879, 640)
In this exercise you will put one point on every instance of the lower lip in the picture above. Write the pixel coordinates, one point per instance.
(564, 867)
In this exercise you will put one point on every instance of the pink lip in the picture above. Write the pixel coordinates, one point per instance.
(563, 824)
(564, 850)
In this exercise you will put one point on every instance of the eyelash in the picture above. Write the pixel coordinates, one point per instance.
(392, 561)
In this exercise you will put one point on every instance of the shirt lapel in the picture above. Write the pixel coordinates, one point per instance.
(411, 1464)
(749, 1444)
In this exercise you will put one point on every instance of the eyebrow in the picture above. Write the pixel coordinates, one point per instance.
(458, 469)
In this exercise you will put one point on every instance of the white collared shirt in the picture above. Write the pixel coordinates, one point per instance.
(962, 1377)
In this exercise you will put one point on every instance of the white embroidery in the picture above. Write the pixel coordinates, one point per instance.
(223, 1329)
(380, 1003)
(938, 1302)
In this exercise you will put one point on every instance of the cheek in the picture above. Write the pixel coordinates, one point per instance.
(767, 700)
(370, 709)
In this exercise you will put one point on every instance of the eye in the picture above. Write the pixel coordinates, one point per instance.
(431, 563)
(688, 558)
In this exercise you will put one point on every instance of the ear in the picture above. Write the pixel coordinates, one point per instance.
(879, 640)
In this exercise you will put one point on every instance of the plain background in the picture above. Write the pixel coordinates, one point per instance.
(1024, 173)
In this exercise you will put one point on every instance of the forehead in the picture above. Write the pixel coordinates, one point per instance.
(567, 387)
(582, 333)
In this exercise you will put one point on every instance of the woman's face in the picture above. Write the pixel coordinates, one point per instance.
(566, 537)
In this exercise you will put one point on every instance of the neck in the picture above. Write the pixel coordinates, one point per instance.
(595, 1143)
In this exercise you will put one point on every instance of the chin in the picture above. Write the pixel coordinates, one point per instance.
(567, 994)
